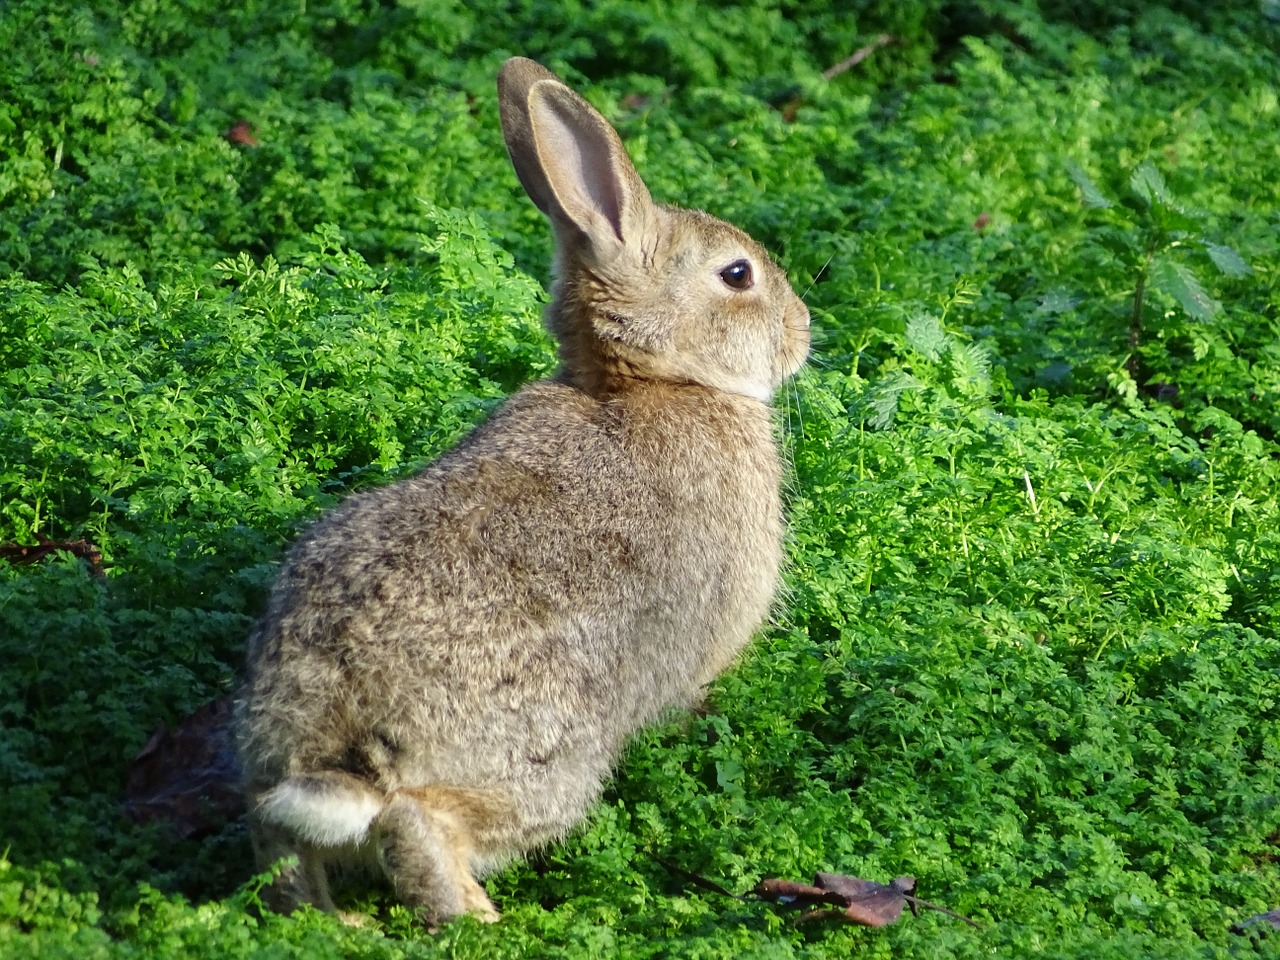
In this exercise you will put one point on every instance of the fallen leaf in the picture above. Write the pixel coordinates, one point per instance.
(189, 776)
(242, 132)
(1270, 919)
(860, 901)
(869, 903)
(792, 891)
(865, 902)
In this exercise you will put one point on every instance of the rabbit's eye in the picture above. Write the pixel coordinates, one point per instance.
(738, 275)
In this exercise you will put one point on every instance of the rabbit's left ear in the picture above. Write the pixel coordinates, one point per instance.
(570, 161)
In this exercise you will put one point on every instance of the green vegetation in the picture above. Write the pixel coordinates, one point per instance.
(1030, 650)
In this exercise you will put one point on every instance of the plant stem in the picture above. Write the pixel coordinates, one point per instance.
(1135, 318)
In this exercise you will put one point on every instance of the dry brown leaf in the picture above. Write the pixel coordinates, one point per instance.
(865, 902)
(1262, 921)
(242, 132)
(189, 776)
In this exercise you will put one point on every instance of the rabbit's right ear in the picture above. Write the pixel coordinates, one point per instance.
(569, 160)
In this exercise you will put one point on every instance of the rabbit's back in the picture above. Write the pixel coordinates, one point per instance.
(503, 620)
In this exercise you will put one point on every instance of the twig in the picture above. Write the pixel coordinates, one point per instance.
(858, 56)
(699, 881)
(917, 902)
(18, 553)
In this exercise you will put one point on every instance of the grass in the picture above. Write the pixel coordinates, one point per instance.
(1028, 651)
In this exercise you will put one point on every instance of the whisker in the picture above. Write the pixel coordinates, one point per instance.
(819, 362)
(819, 334)
(817, 275)
(795, 402)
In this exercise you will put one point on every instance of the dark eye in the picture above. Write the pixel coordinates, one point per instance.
(738, 275)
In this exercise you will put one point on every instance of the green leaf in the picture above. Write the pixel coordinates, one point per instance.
(1227, 260)
(1057, 301)
(971, 369)
(926, 336)
(1147, 182)
(1179, 282)
(1090, 195)
(885, 395)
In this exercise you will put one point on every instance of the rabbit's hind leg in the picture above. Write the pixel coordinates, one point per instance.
(301, 880)
(425, 849)
(312, 817)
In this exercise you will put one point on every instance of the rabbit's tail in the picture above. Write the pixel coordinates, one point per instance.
(326, 809)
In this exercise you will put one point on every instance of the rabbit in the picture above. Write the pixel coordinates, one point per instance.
(448, 667)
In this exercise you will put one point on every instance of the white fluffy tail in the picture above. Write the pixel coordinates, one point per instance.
(325, 810)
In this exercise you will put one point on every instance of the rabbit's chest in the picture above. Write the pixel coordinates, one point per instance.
(715, 567)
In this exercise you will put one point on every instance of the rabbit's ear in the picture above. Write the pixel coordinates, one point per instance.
(570, 161)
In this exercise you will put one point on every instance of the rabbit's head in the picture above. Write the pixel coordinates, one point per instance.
(642, 291)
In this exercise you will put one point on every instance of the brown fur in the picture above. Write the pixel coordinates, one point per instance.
(449, 667)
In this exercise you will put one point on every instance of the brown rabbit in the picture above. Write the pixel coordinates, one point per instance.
(449, 667)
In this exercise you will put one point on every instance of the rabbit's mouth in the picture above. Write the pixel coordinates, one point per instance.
(794, 348)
